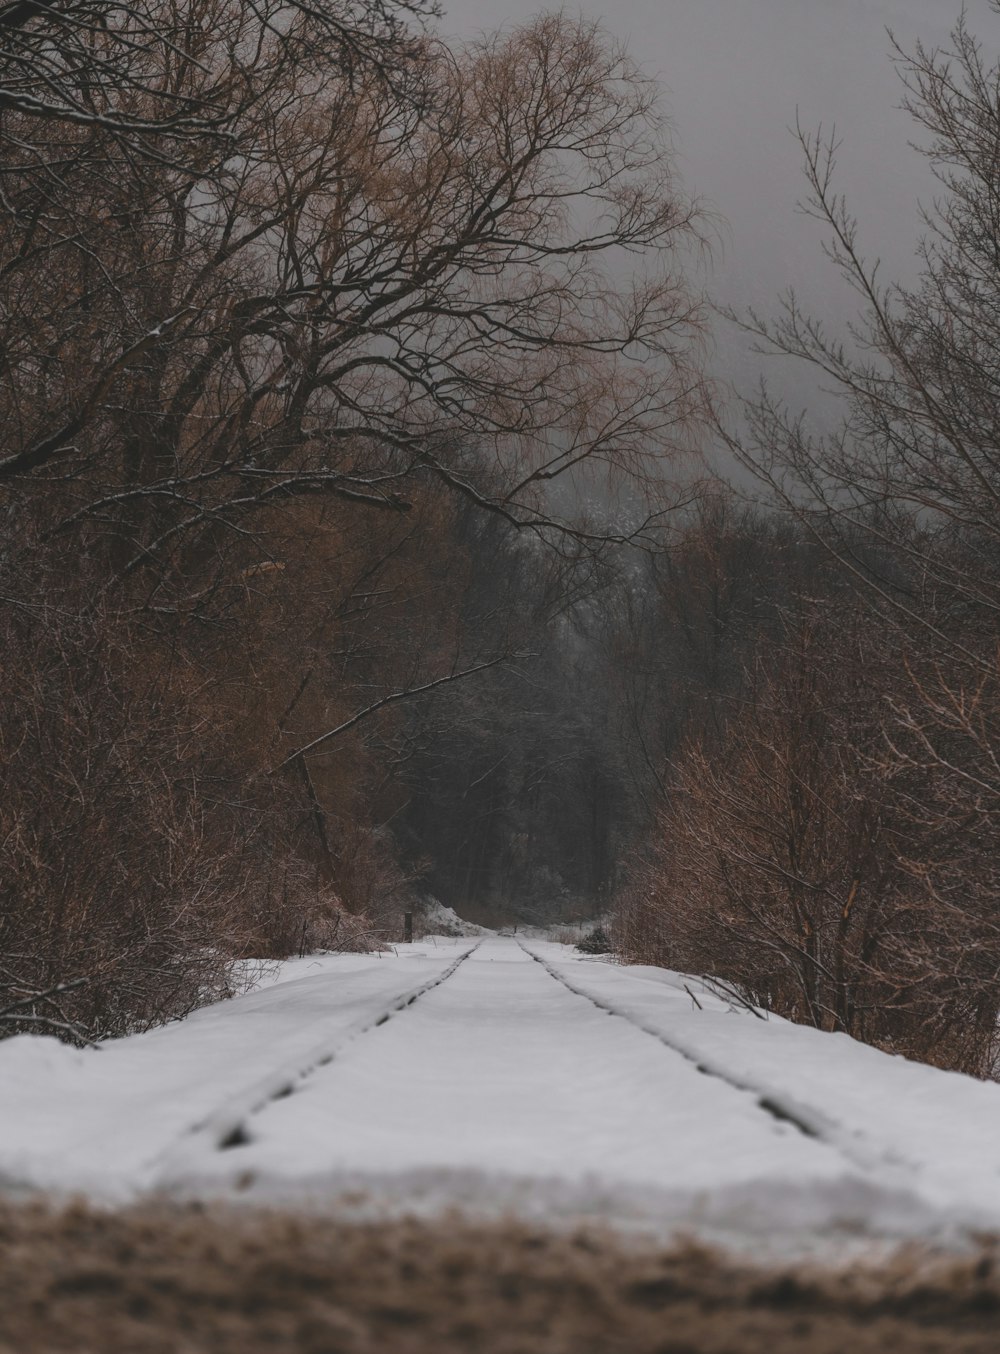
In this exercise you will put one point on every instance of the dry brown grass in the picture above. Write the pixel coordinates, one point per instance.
(190, 1279)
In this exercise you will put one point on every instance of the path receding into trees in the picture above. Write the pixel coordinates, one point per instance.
(510, 1077)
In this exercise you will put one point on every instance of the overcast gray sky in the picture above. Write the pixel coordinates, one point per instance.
(734, 72)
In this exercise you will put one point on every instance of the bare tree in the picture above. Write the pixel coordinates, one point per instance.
(148, 74)
(380, 286)
(786, 860)
(907, 490)
(286, 291)
(904, 495)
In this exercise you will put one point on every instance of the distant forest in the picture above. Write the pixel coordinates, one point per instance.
(359, 549)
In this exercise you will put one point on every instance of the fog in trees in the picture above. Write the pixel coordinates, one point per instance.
(359, 549)
(296, 303)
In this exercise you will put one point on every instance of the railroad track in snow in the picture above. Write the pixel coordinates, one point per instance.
(858, 1152)
(229, 1126)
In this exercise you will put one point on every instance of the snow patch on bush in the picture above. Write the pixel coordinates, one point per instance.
(435, 919)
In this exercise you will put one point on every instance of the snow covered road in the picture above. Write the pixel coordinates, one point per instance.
(502, 1076)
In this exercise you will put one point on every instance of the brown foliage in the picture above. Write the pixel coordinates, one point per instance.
(800, 861)
(282, 287)
(382, 286)
(903, 498)
(116, 868)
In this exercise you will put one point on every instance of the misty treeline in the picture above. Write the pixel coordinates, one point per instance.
(351, 556)
(305, 315)
(827, 838)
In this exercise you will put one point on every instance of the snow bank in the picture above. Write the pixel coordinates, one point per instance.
(506, 1077)
(438, 920)
(103, 1121)
(911, 1126)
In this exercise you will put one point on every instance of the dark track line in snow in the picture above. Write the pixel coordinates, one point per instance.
(227, 1127)
(809, 1122)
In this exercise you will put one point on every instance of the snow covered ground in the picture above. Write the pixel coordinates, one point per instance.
(508, 1076)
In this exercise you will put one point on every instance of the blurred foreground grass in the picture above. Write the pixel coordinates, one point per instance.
(199, 1279)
